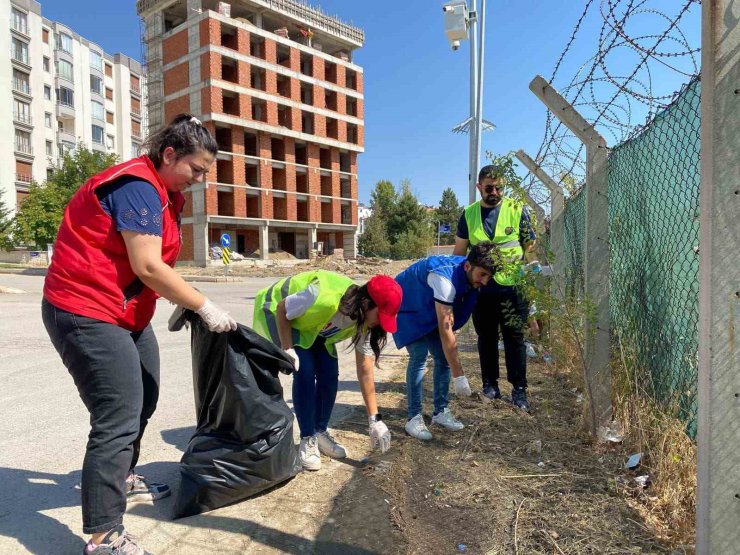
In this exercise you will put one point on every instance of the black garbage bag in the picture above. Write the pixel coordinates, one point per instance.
(243, 444)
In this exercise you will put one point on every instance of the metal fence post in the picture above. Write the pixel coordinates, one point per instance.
(718, 493)
(557, 229)
(596, 253)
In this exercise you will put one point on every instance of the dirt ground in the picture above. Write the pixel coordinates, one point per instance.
(509, 482)
(359, 267)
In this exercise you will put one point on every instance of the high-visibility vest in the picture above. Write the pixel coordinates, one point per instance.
(505, 237)
(306, 327)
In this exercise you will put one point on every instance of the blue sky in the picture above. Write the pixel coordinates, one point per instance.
(416, 87)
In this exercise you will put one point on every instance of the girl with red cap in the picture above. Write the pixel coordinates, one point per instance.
(307, 315)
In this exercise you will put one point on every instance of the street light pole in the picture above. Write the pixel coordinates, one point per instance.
(479, 95)
(473, 152)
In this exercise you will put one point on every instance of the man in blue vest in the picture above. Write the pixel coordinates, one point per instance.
(439, 293)
(505, 222)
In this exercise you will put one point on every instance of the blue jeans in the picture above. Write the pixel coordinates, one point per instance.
(418, 351)
(315, 388)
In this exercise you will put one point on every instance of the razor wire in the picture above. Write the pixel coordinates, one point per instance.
(619, 87)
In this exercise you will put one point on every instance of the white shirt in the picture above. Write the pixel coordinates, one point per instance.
(444, 291)
(298, 303)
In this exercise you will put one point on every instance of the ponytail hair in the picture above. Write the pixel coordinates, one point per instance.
(185, 134)
(352, 305)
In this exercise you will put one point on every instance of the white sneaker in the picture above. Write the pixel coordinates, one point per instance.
(329, 446)
(447, 421)
(309, 453)
(416, 428)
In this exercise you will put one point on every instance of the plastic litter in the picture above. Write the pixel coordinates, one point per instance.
(634, 461)
(531, 352)
(642, 481)
(243, 442)
(461, 547)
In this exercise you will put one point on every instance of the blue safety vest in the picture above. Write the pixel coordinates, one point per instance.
(418, 316)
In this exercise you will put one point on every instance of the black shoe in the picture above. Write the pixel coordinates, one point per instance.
(492, 392)
(519, 399)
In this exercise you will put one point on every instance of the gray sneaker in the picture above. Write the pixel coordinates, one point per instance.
(116, 542)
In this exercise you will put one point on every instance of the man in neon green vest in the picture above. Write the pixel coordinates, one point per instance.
(307, 315)
(501, 304)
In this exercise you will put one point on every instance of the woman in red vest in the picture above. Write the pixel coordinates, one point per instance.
(114, 255)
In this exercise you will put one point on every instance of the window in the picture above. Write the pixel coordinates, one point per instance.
(111, 144)
(66, 147)
(47, 65)
(135, 149)
(22, 142)
(21, 111)
(97, 134)
(135, 83)
(96, 60)
(135, 128)
(19, 21)
(108, 93)
(47, 92)
(45, 35)
(65, 70)
(66, 96)
(109, 117)
(19, 50)
(108, 70)
(47, 120)
(96, 84)
(20, 82)
(49, 148)
(65, 42)
(98, 111)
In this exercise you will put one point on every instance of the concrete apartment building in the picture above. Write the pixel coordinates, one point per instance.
(60, 90)
(275, 82)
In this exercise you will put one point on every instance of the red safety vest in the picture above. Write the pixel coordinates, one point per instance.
(90, 274)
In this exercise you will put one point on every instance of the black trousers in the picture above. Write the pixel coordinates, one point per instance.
(504, 308)
(116, 372)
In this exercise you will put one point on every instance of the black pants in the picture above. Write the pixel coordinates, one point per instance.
(116, 372)
(506, 308)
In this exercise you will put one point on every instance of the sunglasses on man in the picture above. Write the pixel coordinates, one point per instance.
(490, 188)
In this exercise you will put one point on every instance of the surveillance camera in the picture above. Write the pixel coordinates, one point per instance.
(455, 45)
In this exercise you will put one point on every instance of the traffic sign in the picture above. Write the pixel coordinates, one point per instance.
(225, 240)
(226, 255)
(444, 228)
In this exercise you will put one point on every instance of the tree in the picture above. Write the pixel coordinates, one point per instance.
(38, 217)
(374, 240)
(383, 197)
(406, 212)
(448, 212)
(413, 242)
(5, 226)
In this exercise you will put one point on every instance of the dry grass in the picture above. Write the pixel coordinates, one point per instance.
(511, 482)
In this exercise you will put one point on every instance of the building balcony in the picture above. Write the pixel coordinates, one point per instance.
(20, 61)
(136, 112)
(136, 91)
(23, 181)
(20, 29)
(22, 120)
(21, 87)
(23, 151)
(65, 136)
(65, 110)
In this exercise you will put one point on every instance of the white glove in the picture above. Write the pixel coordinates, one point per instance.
(462, 387)
(380, 436)
(217, 319)
(292, 354)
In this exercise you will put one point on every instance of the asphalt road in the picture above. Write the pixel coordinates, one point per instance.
(45, 424)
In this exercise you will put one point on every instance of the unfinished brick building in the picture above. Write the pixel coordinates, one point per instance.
(274, 81)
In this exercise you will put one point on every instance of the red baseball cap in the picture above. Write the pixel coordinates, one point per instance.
(387, 295)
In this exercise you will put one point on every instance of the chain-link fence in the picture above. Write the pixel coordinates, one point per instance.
(654, 237)
(574, 220)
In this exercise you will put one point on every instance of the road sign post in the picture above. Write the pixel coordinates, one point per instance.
(225, 252)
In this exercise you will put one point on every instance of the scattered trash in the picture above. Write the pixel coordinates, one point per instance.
(531, 352)
(634, 461)
(387, 501)
(461, 547)
(534, 447)
(437, 492)
(610, 434)
(642, 481)
(547, 357)
(540, 464)
(475, 463)
(579, 398)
